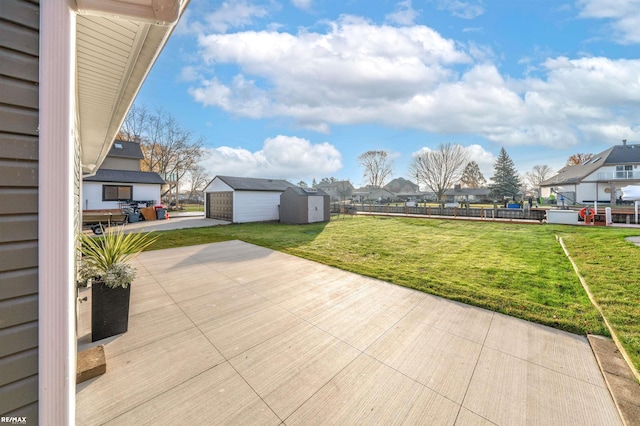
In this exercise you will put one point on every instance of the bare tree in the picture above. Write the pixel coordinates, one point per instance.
(377, 167)
(168, 149)
(578, 158)
(537, 175)
(136, 124)
(344, 189)
(472, 177)
(440, 169)
(198, 178)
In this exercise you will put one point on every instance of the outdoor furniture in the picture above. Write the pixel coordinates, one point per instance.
(97, 221)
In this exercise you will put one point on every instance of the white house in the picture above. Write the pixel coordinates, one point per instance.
(240, 199)
(119, 179)
(70, 71)
(599, 178)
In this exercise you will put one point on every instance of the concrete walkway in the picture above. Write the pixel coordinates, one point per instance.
(234, 334)
(177, 221)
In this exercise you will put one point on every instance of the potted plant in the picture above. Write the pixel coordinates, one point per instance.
(103, 264)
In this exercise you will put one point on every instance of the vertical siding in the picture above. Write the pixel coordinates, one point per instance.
(19, 44)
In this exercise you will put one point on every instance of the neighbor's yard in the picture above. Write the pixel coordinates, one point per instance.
(519, 270)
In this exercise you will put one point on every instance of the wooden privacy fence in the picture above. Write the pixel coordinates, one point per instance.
(479, 212)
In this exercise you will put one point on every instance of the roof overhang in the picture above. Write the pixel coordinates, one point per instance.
(117, 43)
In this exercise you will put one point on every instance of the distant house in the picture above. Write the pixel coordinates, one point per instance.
(338, 191)
(373, 194)
(119, 179)
(459, 194)
(241, 199)
(598, 179)
(401, 186)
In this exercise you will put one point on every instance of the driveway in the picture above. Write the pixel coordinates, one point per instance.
(232, 333)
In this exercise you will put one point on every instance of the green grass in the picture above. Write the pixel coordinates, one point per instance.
(519, 270)
(191, 207)
(610, 266)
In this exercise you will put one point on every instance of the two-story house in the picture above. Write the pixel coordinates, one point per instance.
(119, 179)
(338, 191)
(599, 178)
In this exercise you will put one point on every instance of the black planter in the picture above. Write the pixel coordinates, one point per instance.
(109, 310)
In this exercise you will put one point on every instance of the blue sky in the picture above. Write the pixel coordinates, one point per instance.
(297, 89)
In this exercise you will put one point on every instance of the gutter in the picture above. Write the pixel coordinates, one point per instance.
(158, 12)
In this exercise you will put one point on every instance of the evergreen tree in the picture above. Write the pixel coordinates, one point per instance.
(506, 182)
(314, 183)
(472, 176)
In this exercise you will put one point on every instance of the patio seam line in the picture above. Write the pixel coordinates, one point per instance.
(364, 352)
(308, 321)
(549, 368)
(224, 357)
(484, 341)
(325, 383)
(163, 392)
(413, 379)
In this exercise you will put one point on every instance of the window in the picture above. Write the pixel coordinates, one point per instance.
(117, 193)
(624, 172)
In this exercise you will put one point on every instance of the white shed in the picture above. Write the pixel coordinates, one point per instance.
(240, 199)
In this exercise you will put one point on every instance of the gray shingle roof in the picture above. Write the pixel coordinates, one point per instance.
(255, 184)
(619, 154)
(622, 154)
(125, 176)
(126, 149)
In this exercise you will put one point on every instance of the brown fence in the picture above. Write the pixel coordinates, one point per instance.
(476, 212)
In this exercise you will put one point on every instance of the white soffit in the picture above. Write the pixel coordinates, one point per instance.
(114, 56)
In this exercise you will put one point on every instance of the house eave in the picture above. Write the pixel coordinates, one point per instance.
(115, 53)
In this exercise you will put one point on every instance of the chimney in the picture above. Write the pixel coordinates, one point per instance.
(624, 142)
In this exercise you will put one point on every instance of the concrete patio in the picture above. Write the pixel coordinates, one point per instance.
(232, 333)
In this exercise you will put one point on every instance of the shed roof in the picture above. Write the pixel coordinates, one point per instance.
(255, 184)
(306, 191)
(125, 149)
(125, 176)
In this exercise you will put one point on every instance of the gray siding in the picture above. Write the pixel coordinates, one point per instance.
(116, 163)
(19, 44)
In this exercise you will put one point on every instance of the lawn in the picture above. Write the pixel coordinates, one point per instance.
(519, 270)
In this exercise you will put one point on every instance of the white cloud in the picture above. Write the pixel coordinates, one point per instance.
(462, 9)
(302, 4)
(624, 16)
(477, 153)
(282, 157)
(346, 75)
(189, 73)
(404, 14)
(484, 158)
(231, 14)
(412, 77)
